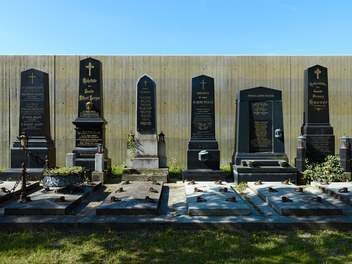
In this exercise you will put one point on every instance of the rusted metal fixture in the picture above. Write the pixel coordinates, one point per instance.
(120, 190)
(299, 189)
(192, 182)
(343, 190)
(61, 199)
(258, 182)
(285, 199)
(148, 199)
(317, 199)
(271, 189)
(286, 182)
(115, 199)
(223, 189)
(197, 190)
(201, 199)
(218, 182)
(231, 199)
(153, 190)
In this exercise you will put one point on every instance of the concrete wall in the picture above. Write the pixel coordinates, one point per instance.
(172, 75)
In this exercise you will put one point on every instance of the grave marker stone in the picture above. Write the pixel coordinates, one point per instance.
(90, 123)
(35, 122)
(143, 153)
(260, 149)
(320, 141)
(203, 150)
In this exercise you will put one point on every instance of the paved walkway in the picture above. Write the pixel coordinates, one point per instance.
(173, 212)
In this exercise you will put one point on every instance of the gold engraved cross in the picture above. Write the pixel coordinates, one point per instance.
(32, 77)
(317, 72)
(89, 67)
(203, 83)
(145, 83)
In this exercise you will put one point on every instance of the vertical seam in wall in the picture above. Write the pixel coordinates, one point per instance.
(54, 108)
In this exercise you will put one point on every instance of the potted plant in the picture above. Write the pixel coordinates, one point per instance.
(324, 172)
(63, 176)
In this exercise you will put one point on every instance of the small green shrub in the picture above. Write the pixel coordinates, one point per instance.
(116, 170)
(175, 170)
(328, 171)
(65, 171)
(227, 169)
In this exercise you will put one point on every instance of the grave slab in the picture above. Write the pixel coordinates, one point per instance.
(7, 186)
(339, 190)
(289, 200)
(52, 202)
(214, 199)
(133, 198)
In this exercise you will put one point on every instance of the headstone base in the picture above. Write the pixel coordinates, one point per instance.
(15, 174)
(132, 174)
(264, 173)
(145, 163)
(212, 162)
(39, 149)
(99, 177)
(85, 157)
(203, 175)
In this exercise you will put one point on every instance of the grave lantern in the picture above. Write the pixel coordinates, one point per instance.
(161, 137)
(345, 142)
(100, 148)
(301, 142)
(23, 138)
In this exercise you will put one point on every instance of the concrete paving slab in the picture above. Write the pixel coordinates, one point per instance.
(339, 190)
(7, 192)
(289, 199)
(214, 199)
(135, 198)
(51, 202)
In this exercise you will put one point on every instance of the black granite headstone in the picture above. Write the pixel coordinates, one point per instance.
(90, 124)
(320, 141)
(260, 149)
(259, 125)
(203, 108)
(146, 122)
(203, 152)
(34, 121)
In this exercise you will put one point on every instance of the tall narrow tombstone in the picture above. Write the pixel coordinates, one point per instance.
(260, 146)
(145, 158)
(90, 123)
(203, 155)
(34, 121)
(320, 140)
(146, 154)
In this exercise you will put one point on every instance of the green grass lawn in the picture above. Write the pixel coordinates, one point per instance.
(176, 247)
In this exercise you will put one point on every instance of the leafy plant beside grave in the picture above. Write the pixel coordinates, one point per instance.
(131, 145)
(117, 170)
(175, 170)
(327, 171)
(64, 171)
